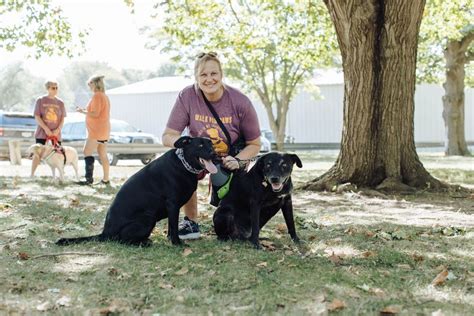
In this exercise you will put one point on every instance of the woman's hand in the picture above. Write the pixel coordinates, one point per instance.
(230, 163)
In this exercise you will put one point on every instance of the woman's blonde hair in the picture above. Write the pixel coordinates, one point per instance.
(202, 58)
(97, 82)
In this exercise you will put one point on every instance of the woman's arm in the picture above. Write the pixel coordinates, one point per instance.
(169, 137)
(251, 150)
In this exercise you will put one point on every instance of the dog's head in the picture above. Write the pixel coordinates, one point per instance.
(276, 168)
(35, 150)
(198, 152)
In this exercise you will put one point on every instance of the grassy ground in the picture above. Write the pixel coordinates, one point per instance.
(361, 255)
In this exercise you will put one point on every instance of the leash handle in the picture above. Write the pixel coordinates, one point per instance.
(53, 139)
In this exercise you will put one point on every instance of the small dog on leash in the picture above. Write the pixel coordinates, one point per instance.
(55, 159)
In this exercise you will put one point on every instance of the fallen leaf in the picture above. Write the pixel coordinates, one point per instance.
(390, 310)
(183, 271)
(74, 201)
(440, 278)
(113, 271)
(369, 234)
(377, 292)
(262, 264)
(23, 256)
(350, 231)
(417, 257)
(166, 286)
(64, 301)
(335, 259)
(44, 307)
(281, 228)
(368, 254)
(270, 246)
(187, 252)
(336, 305)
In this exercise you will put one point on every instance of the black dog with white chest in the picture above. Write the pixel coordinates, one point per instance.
(155, 192)
(255, 197)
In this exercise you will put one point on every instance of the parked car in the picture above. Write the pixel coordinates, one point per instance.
(74, 129)
(269, 135)
(266, 145)
(16, 125)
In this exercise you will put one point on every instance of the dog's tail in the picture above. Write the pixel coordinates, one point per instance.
(78, 240)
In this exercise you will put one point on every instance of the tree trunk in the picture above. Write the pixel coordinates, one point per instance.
(378, 42)
(453, 100)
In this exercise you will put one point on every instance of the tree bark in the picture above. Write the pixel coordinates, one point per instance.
(378, 42)
(453, 100)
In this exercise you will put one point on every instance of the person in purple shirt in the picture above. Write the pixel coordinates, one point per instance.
(190, 111)
(49, 114)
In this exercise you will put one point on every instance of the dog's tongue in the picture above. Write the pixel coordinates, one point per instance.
(277, 186)
(209, 165)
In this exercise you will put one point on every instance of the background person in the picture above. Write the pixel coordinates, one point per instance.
(190, 110)
(49, 114)
(97, 115)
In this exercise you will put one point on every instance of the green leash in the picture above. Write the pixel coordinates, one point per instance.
(223, 190)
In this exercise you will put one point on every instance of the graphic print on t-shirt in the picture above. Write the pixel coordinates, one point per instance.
(218, 143)
(211, 129)
(51, 115)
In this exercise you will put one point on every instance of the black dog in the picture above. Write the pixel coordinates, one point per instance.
(155, 192)
(255, 197)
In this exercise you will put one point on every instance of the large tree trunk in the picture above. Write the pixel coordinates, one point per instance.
(378, 42)
(453, 100)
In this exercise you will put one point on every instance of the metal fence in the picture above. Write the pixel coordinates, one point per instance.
(113, 148)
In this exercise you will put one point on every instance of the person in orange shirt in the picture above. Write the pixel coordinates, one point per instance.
(98, 129)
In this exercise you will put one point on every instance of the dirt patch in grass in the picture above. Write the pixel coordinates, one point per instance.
(360, 254)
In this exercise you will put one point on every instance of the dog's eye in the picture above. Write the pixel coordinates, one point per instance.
(284, 165)
(201, 145)
(268, 165)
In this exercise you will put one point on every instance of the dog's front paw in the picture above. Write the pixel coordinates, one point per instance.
(296, 239)
(176, 241)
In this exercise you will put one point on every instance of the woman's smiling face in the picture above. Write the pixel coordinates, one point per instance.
(209, 78)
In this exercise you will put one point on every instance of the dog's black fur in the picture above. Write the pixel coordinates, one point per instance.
(155, 192)
(255, 197)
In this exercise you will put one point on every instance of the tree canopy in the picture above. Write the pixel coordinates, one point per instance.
(444, 21)
(269, 47)
(38, 26)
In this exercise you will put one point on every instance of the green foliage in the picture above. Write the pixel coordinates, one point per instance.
(19, 88)
(40, 27)
(443, 21)
(269, 47)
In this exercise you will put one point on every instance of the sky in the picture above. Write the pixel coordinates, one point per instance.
(114, 37)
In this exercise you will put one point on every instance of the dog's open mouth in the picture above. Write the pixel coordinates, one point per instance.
(277, 187)
(208, 165)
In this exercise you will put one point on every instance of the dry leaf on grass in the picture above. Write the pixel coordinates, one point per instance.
(390, 310)
(262, 265)
(165, 286)
(183, 271)
(270, 246)
(23, 256)
(43, 307)
(368, 254)
(335, 259)
(64, 301)
(281, 228)
(440, 278)
(187, 252)
(336, 305)
(417, 257)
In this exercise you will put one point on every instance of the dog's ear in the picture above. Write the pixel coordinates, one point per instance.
(260, 164)
(182, 142)
(296, 160)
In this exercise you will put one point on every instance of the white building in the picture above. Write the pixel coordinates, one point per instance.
(147, 105)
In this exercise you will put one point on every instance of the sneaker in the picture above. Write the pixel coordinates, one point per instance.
(188, 229)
